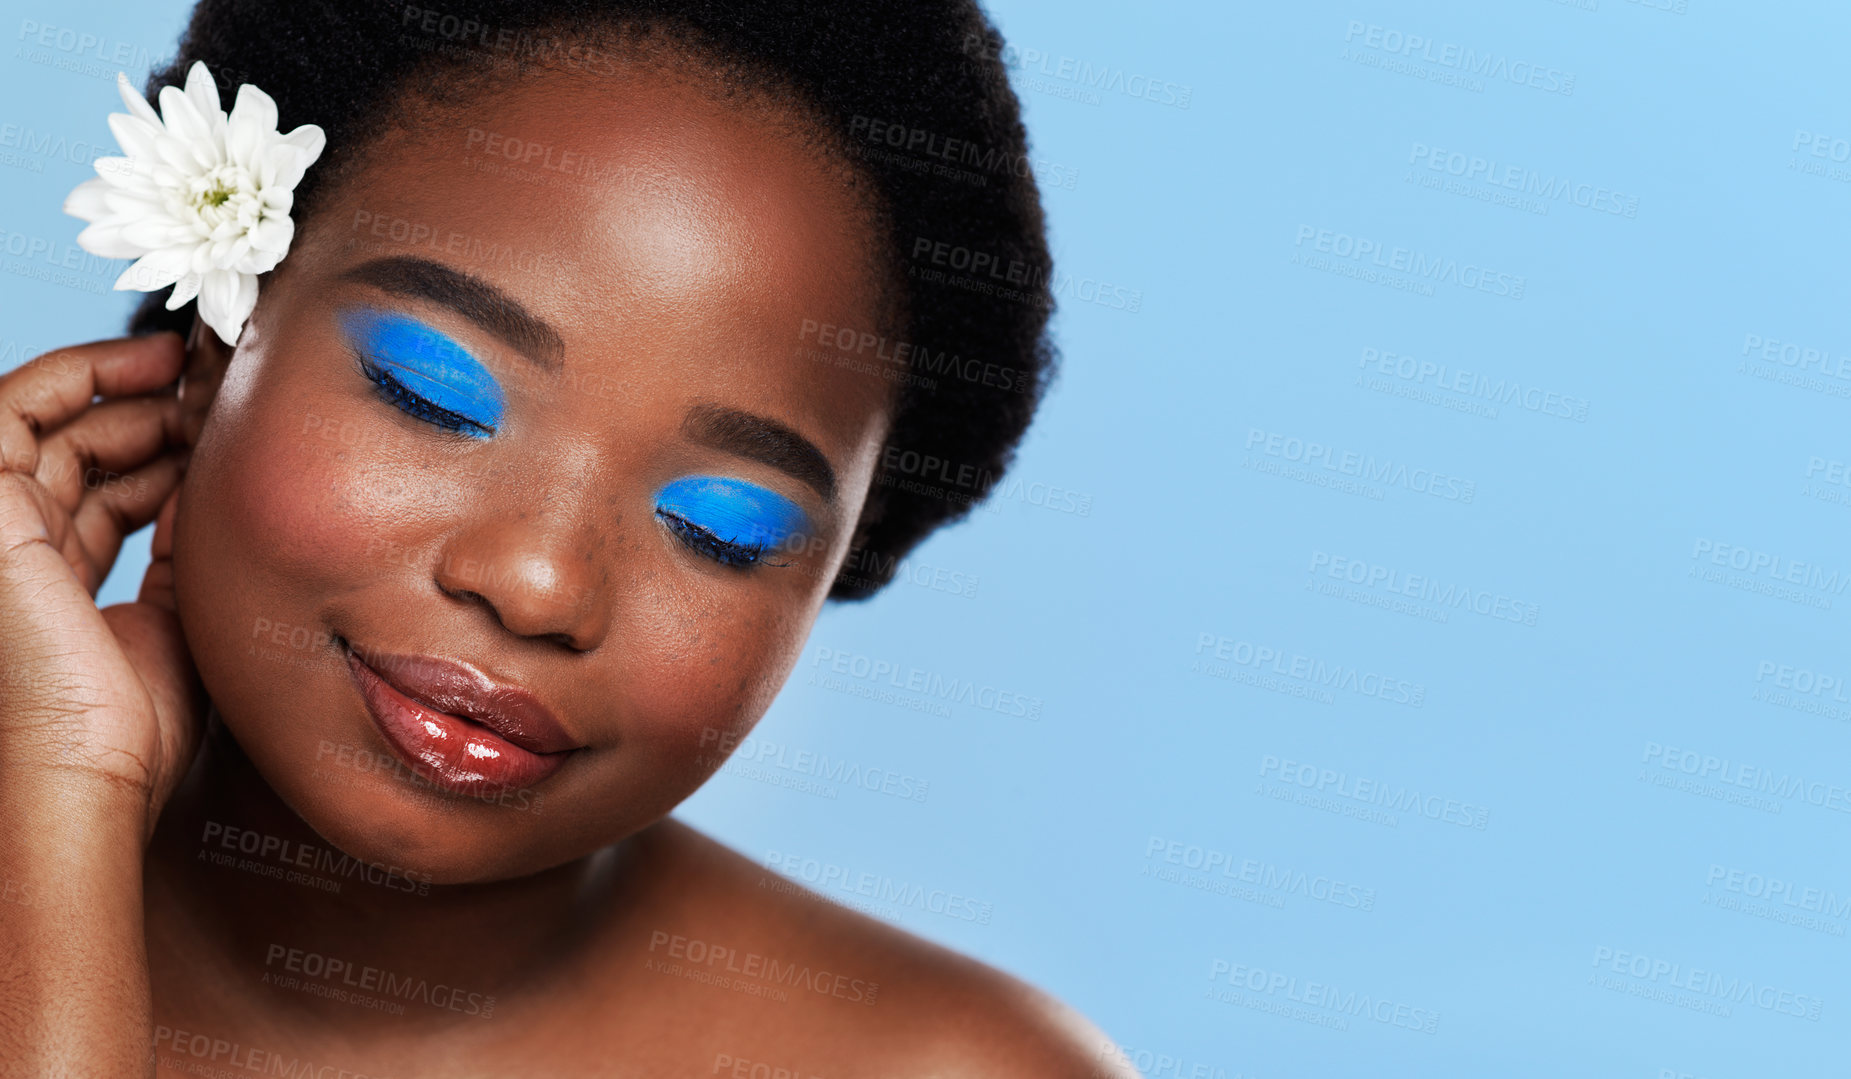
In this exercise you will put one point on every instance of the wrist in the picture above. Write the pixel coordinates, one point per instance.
(66, 812)
(73, 944)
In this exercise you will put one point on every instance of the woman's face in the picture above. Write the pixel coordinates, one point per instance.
(526, 397)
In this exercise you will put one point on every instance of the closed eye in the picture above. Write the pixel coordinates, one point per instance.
(424, 373)
(729, 519)
(396, 393)
(705, 542)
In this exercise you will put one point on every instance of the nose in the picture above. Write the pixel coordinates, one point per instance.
(536, 578)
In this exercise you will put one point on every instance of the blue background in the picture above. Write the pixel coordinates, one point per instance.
(1231, 225)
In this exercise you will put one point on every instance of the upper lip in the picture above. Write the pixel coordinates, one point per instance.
(460, 689)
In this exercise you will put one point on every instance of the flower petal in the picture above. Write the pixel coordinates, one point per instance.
(283, 166)
(136, 104)
(310, 139)
(273, 234)
(178, 155)
(202, 90)
(184, 290)
(88, 200)
(225, 300)
(105, 239)
(118, 172)
(258, 262)
(154, 270)
(135, 135)
(189, 129)
(253, 126)
(131, 202)
(155, 232)
(199, 198)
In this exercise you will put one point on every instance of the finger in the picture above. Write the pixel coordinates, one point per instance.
(44, 393)
(101, 445)
(36, 560)
(112, 510)
(157, 585)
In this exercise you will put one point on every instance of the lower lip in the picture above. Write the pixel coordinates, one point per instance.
(453, 753)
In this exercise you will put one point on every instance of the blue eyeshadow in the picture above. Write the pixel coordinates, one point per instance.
(733, 510)
(428, 363)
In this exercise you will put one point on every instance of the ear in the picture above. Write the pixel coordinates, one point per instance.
(207, 357)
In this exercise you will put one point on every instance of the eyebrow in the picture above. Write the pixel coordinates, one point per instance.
(471, 297)
(765, 440)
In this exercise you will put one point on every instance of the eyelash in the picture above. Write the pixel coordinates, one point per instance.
(396, 393)
(705, 542)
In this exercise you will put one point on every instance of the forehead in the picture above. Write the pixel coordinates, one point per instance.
(648, 219)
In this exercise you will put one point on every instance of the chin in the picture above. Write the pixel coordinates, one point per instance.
(297, 718)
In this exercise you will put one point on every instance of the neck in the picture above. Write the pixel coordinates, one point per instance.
(239, 884)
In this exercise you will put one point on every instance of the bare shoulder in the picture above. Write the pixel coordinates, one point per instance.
(881, 1000)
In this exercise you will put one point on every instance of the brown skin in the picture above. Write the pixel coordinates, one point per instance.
(678, 274)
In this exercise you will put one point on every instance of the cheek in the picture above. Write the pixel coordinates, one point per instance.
(286, 506)
(700, 672)
(329, 497)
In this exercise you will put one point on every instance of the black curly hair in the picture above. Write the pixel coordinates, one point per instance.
(911, 94)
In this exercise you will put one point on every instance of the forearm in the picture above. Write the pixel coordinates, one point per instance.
(74, 996)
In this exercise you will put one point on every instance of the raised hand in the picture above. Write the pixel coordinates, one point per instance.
(90, 451)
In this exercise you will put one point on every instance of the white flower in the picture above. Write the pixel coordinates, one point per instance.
(201, 201)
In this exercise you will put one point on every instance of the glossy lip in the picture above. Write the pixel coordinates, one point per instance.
(457, 727)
